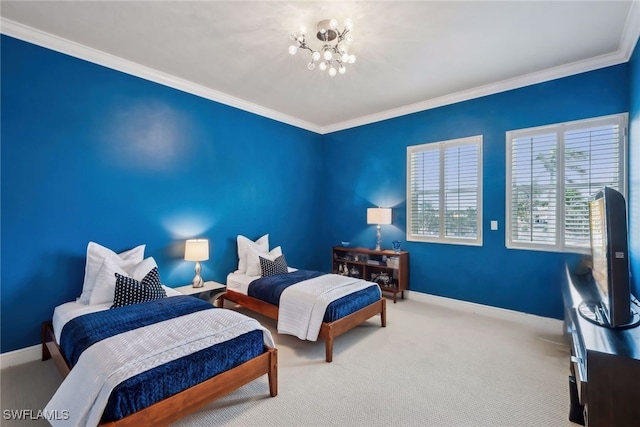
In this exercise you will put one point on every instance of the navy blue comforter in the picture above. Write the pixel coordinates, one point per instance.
(270, 288)
(166, 380)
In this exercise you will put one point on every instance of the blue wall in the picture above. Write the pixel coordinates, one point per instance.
(89, 153)
(366, 166)
(634, 169)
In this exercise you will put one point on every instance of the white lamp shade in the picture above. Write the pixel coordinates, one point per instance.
(379, 216)
(196, 250)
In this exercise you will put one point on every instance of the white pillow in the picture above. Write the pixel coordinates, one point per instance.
(141, 269)
(253, 260)
(105, 284)
(96, 255)
(262, 245)
(104, 288)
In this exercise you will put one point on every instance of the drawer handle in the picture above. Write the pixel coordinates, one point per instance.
(576, 359)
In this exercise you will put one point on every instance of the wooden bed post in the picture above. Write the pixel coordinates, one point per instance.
(273, 372)
(51, 350)
(46, 355)
(329, 348)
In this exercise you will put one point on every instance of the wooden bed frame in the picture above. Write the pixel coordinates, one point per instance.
(328, 330)
(177, 406)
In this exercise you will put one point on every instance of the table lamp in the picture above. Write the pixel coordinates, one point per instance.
(378, 216)
(197, 250)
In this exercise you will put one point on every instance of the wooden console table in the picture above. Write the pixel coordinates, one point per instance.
(389, 269)
(605, 363)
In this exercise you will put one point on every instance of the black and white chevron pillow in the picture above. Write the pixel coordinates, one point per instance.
(271, 268)
(129, 291)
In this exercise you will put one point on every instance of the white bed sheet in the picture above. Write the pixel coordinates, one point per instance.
(239, 282)
(69, 310)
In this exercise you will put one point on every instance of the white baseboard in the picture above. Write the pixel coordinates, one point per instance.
(33, 353)
(485, 310)
(18, 357)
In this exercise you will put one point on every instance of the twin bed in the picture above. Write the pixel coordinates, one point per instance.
(157, 359)
(151, 363)
(319, 306)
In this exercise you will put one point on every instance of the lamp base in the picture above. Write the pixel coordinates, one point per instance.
(197, 280)
(378, 238)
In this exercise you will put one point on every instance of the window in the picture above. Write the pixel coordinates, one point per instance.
(444, 192)
(552, 171)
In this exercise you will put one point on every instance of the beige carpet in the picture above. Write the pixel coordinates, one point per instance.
(431, 366)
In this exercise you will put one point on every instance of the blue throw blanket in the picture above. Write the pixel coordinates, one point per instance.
(270, 288)
(83, 331)
(156, 384)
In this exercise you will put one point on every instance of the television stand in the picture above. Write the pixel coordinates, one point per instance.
(604, 364)
(594, 313)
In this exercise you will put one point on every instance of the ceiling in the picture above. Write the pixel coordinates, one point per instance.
(411, 56)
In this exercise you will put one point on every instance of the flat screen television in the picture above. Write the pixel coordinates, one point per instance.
(610, 258)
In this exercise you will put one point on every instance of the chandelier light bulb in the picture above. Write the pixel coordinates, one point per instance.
(342, 49)
(342, 69)
(292, 36)
(327, 55)
(333, 24)
(323, 66)
(348, 23)
(352, 59)
(300, 39)
(344, 58)
(311, 66)
(302, 30)
(293, 49)
(349, 38)
(332, 71)
(315, 56)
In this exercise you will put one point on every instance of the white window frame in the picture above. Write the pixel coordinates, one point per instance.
(560, 244)
(441, 147)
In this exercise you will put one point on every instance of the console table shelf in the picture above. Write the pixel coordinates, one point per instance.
(389, 269)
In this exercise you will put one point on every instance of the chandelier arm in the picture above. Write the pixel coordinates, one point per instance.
(307, 48)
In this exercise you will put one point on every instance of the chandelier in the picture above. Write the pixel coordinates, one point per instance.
(333, 55)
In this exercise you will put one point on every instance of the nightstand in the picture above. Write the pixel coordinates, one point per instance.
(211, 291)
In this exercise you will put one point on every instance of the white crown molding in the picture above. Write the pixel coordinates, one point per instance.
(77, 50)
(489, 89)
(631, 31)
(630, 36)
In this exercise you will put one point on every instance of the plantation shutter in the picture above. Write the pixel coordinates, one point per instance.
(591, 161)
(553, 173)
(533, 188)
(444, 191)
(424, 173)
(461, 191)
